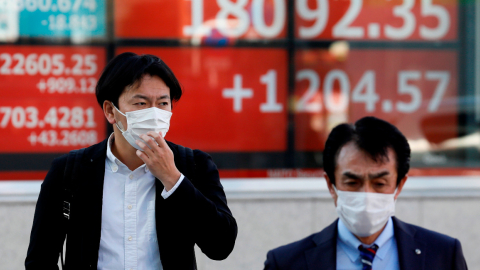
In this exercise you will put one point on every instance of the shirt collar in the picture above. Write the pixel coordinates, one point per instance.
(114, 164)
(350, 243)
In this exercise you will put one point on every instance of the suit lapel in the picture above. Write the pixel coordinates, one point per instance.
(324, 255)
(407, 246)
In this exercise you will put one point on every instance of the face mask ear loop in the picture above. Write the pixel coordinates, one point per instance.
(116, 123)
(334, 188)
(395, 193)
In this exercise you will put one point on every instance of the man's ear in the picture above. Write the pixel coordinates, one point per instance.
(400, 186)
(108, 112)
(330, 188)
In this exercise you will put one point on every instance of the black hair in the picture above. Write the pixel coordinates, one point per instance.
(129, 68)
(371, 135)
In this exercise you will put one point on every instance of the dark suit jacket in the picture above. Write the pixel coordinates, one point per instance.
(319, 250)
(197, 214)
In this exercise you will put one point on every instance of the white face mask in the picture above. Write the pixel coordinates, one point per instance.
(142, 121)
(364, 213)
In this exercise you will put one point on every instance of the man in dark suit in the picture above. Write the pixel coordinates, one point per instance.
(131, 206)
(365, 169)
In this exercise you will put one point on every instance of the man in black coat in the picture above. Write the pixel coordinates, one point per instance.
(365, 169)
(131, 207)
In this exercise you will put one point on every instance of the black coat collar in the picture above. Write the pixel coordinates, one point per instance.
(324, 255)
(407, 244)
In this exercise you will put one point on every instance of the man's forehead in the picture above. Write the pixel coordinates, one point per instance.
(350, 155)
(148, 87)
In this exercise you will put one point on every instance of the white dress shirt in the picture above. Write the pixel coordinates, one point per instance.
(128, 235)
(348, 255)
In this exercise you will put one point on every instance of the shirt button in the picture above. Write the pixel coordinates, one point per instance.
(130, 206)
(130, 238)
(130, 176)
(115, 168)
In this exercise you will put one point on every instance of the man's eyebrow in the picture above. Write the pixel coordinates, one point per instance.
(353, 176)
(164, 97)
(141, 96)
(147, 98)
(378, 175)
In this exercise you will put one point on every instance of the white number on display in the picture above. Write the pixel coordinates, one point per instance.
(369, 97)
(46, 64)
(320, 15)
(237, 10)
(344, 29)
(239, 92)
(66, 138)
(197, 19)
(233, 19)
(64, 6)
(443, 78)
(64, 117)
(77, 22)
(428, 9)
(340, 102)
(304, 104)
(403, 11)
(270, 79)
(259, 20)
(68, 85)
(364, 91)
(409, 89)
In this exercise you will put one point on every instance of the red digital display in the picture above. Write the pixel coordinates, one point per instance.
(199, 19)
(412, 89)
(232, 102)
(48, 102)
(394, 20)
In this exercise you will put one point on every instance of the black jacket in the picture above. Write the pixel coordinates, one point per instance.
(319, 250)
(197, 214)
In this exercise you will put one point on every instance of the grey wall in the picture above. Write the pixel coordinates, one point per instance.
(267, 223)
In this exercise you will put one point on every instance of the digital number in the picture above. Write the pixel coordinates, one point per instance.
(63, 117)
(320, 15)
(67, 85)
(73, 22)
(409, 89)
(364, 91)
(428, 9)
(443, 78)
(339, 103)
(369, 97)
(239, 92)
(270, 79)
(46, 64)
(66, 138)
(403, 11)
(258, 19)
(239, 26)
(344, 29)
(304, 104)
(64, 6)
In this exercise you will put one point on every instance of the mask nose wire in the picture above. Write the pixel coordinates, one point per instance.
(117, 122)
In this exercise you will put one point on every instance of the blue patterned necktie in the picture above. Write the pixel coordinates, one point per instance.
(367, 255)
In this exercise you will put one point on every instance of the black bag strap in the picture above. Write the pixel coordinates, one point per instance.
(70, 174)
(186, 162)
